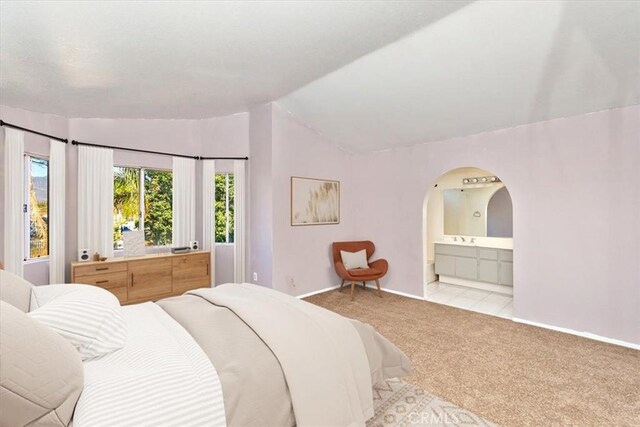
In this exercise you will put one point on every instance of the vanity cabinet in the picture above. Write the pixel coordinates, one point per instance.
(146, 278)
(488, 265)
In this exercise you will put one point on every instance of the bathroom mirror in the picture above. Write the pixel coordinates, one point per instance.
(484, 211)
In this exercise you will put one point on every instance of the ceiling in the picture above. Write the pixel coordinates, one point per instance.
(192, 59)
(489, 65)
(370, 75)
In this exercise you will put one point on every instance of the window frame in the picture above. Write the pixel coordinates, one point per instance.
(141, 204)
(26, 209)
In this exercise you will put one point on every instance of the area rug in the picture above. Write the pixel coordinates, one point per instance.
(398, 403)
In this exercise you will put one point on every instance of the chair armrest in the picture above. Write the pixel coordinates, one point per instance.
(341, 270)
(380, 264)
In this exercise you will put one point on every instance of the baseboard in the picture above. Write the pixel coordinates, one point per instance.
(391, 291)
(330, 288)
(579, 334)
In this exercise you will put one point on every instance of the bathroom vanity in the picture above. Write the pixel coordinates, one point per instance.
(475, 266)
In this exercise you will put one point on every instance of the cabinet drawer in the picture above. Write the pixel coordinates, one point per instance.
(445, 265)
(105, 280)
(101, 268)
(486, 253)
(506, 255)
(457, 250)
(467, 268)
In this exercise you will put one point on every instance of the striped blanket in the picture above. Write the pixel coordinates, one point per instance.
(161, 370)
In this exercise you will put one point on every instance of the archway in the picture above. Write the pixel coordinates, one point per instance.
(468, 242)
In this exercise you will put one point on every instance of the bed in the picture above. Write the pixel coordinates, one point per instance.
(237, 355)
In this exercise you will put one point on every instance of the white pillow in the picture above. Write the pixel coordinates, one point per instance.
(352, 260)
(87, 316)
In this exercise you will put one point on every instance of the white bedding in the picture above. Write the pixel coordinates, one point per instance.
(160, 378)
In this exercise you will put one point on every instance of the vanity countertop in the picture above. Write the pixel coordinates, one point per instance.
(507, 244)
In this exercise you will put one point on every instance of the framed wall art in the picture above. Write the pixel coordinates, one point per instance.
(314, 201)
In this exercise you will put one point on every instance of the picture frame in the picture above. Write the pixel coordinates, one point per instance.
(314, 201)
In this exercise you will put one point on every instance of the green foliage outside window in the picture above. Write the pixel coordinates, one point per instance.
(224, 208)
(158, 211)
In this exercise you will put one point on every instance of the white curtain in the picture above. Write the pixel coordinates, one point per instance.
(14, 221)
(95, 200)
(184, 201)
(239, 172)
(57, 156)
(209, 213)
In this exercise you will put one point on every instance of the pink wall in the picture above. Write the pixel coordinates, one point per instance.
(260, 222)
(576, 210)
(304, 253)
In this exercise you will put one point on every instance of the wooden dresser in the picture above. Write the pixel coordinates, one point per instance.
(146, 278)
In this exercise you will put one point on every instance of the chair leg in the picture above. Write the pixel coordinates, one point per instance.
(341, 285)
(364, 285)
(379, 290)
(353, 286)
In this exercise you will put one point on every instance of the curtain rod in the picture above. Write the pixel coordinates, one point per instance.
(9, 125)
(137, 150)
(224, 158)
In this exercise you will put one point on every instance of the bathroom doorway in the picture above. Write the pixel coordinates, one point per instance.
(468, 242)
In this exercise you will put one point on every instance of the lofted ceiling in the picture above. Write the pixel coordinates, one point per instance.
(185, 59)
(487, 66)
(370, 75)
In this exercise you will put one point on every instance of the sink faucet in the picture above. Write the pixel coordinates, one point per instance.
(462, 238)
(455, 239)
(473, 240)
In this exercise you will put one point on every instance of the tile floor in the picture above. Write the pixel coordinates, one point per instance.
(470, 299)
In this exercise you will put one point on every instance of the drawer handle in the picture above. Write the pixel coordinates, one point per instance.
(102, 268)
(102, 281)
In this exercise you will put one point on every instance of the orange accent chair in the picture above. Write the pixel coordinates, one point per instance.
(376, 270)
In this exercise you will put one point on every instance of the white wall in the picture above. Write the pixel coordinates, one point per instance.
(576, 205)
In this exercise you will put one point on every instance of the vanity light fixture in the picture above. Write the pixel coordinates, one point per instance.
(481, 180)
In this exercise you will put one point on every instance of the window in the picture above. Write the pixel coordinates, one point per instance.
(142, 198)
(224, 208)
(36, 207)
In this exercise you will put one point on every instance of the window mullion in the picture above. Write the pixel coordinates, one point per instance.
(141, 200)
(26, 209)
(226, 201)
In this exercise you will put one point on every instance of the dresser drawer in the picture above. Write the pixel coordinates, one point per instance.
(105, 280)
(99, 268)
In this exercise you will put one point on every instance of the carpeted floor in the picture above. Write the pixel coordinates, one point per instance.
(509, 373)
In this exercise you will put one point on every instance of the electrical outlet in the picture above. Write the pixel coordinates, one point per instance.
(255, 276)
(290, 282)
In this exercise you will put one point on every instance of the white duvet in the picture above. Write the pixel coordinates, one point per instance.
(160, 378)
